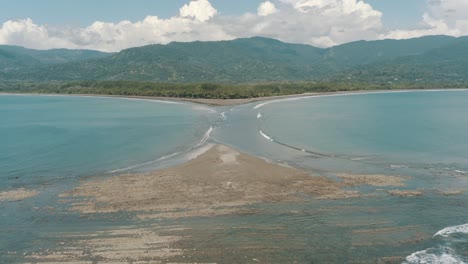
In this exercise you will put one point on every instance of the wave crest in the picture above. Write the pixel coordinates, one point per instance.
(443, 255)
(266, 136)
(452, 230)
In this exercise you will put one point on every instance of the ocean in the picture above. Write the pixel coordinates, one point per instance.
(419, 135)
(50, 143)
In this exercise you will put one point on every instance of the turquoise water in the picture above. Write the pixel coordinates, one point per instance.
(421, 136)
(50, 143)
(403, 128)
(49, 138)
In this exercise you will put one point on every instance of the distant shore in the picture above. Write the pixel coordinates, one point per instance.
(210, 102)
(233, 102)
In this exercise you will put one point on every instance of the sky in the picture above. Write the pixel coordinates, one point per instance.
(113, 25)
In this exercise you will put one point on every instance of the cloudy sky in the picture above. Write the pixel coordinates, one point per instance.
(113, 25)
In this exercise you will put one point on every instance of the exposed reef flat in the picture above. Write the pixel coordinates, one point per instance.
(17, 195)
(221, 182)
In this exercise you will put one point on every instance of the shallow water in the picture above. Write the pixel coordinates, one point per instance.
(49, 143)
(418, 135)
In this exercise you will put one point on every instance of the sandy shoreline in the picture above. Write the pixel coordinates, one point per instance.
(233, 102)
(209, 102)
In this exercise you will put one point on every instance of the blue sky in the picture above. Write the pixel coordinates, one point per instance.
(113, 25)
(396, 13)
(400, 13)
(84, 12)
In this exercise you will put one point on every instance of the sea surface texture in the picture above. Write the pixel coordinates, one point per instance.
(418, 135)
(51, 143)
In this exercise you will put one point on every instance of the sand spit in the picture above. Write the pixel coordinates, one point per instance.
(218, 182)
(17, 195)
(214, 183)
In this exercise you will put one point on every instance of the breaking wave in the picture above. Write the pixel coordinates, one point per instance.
(452, 230)
(446, 251)
(443, 255)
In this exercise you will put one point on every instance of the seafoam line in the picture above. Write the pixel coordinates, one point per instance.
(266, 136)
(260, 105)
(145, 163)
(205, 138)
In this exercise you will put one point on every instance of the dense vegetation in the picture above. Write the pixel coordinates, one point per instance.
(15, 59)
(239, 68)
(253, 60)
(201, 90)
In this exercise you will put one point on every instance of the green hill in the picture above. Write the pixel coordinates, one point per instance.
(14, 59)
(443, 65)
(251, 60)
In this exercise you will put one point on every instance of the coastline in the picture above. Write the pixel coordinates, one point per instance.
(217, 182)
(235, 102)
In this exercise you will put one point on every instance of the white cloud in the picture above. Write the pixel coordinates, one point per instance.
(266, 8)
(317, 22)
(199, 9)
(442, 17)
(110, 36)
(429, 26)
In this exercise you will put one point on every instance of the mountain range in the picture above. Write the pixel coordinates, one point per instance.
(430, 59)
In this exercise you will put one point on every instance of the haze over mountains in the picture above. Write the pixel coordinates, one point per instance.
(431, 59)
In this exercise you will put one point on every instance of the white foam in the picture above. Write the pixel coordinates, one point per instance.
(205, 137)
(203, 108)
(223, 115)
(259, 116)
(359, 159)
(145, 164)
(266, 136)
(452, 229)
(425, 257)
